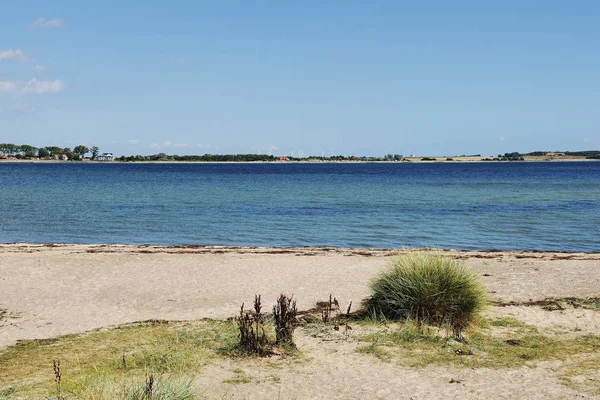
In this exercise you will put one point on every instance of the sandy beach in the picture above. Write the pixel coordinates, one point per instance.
(52, 290)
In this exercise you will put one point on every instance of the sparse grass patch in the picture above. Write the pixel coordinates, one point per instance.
(240, 378)
(498, 343)
(117, 354)
(576, 374)
(506, 322)
(139, 388)
(375, 349)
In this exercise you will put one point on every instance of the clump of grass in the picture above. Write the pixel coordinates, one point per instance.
(7, 393)
(140, 388)
(240, 377)
(155, 389)
(428, 288)
(507, 322)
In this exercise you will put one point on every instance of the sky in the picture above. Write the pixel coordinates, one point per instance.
(301, 77)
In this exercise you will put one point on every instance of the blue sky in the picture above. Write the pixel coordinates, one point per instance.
(352, 77)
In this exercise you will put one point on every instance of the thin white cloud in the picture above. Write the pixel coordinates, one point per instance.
(43, 23)
(181, 145)
(502, 138)
(13, 55)
(34, 86)
(133, 141)
(39, 69)
(43, 87)
(7, 86)
(167, 143)
(155, 146)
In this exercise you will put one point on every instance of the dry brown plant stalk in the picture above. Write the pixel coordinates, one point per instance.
(284, 313)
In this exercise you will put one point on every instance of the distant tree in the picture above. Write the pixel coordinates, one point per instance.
(514, 156)
(94, 150)
(9, 148)
(54, 150)
(81, 150)
(397, 157)
(27, 151)
(68, 152)
(43, 153)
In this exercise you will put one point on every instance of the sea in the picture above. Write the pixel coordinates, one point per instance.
(553, 206)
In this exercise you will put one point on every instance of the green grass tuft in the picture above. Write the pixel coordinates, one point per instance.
(428, 288)
(163, 387)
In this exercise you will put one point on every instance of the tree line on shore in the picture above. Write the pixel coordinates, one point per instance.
(25, 151)
(251, 157)
(516, 156)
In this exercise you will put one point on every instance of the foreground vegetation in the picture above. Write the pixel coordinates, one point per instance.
(119, 363)
(145, 360)
(425, 310)
(430, 288)
(496, 343)
(101, 363)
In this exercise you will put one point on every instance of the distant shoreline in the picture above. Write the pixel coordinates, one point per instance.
(408, 160)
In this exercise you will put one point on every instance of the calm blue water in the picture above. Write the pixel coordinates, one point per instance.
(541, 206)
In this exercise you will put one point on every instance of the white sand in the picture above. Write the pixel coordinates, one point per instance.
(49, 291)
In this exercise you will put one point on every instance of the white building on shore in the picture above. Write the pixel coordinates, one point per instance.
(105, 157)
